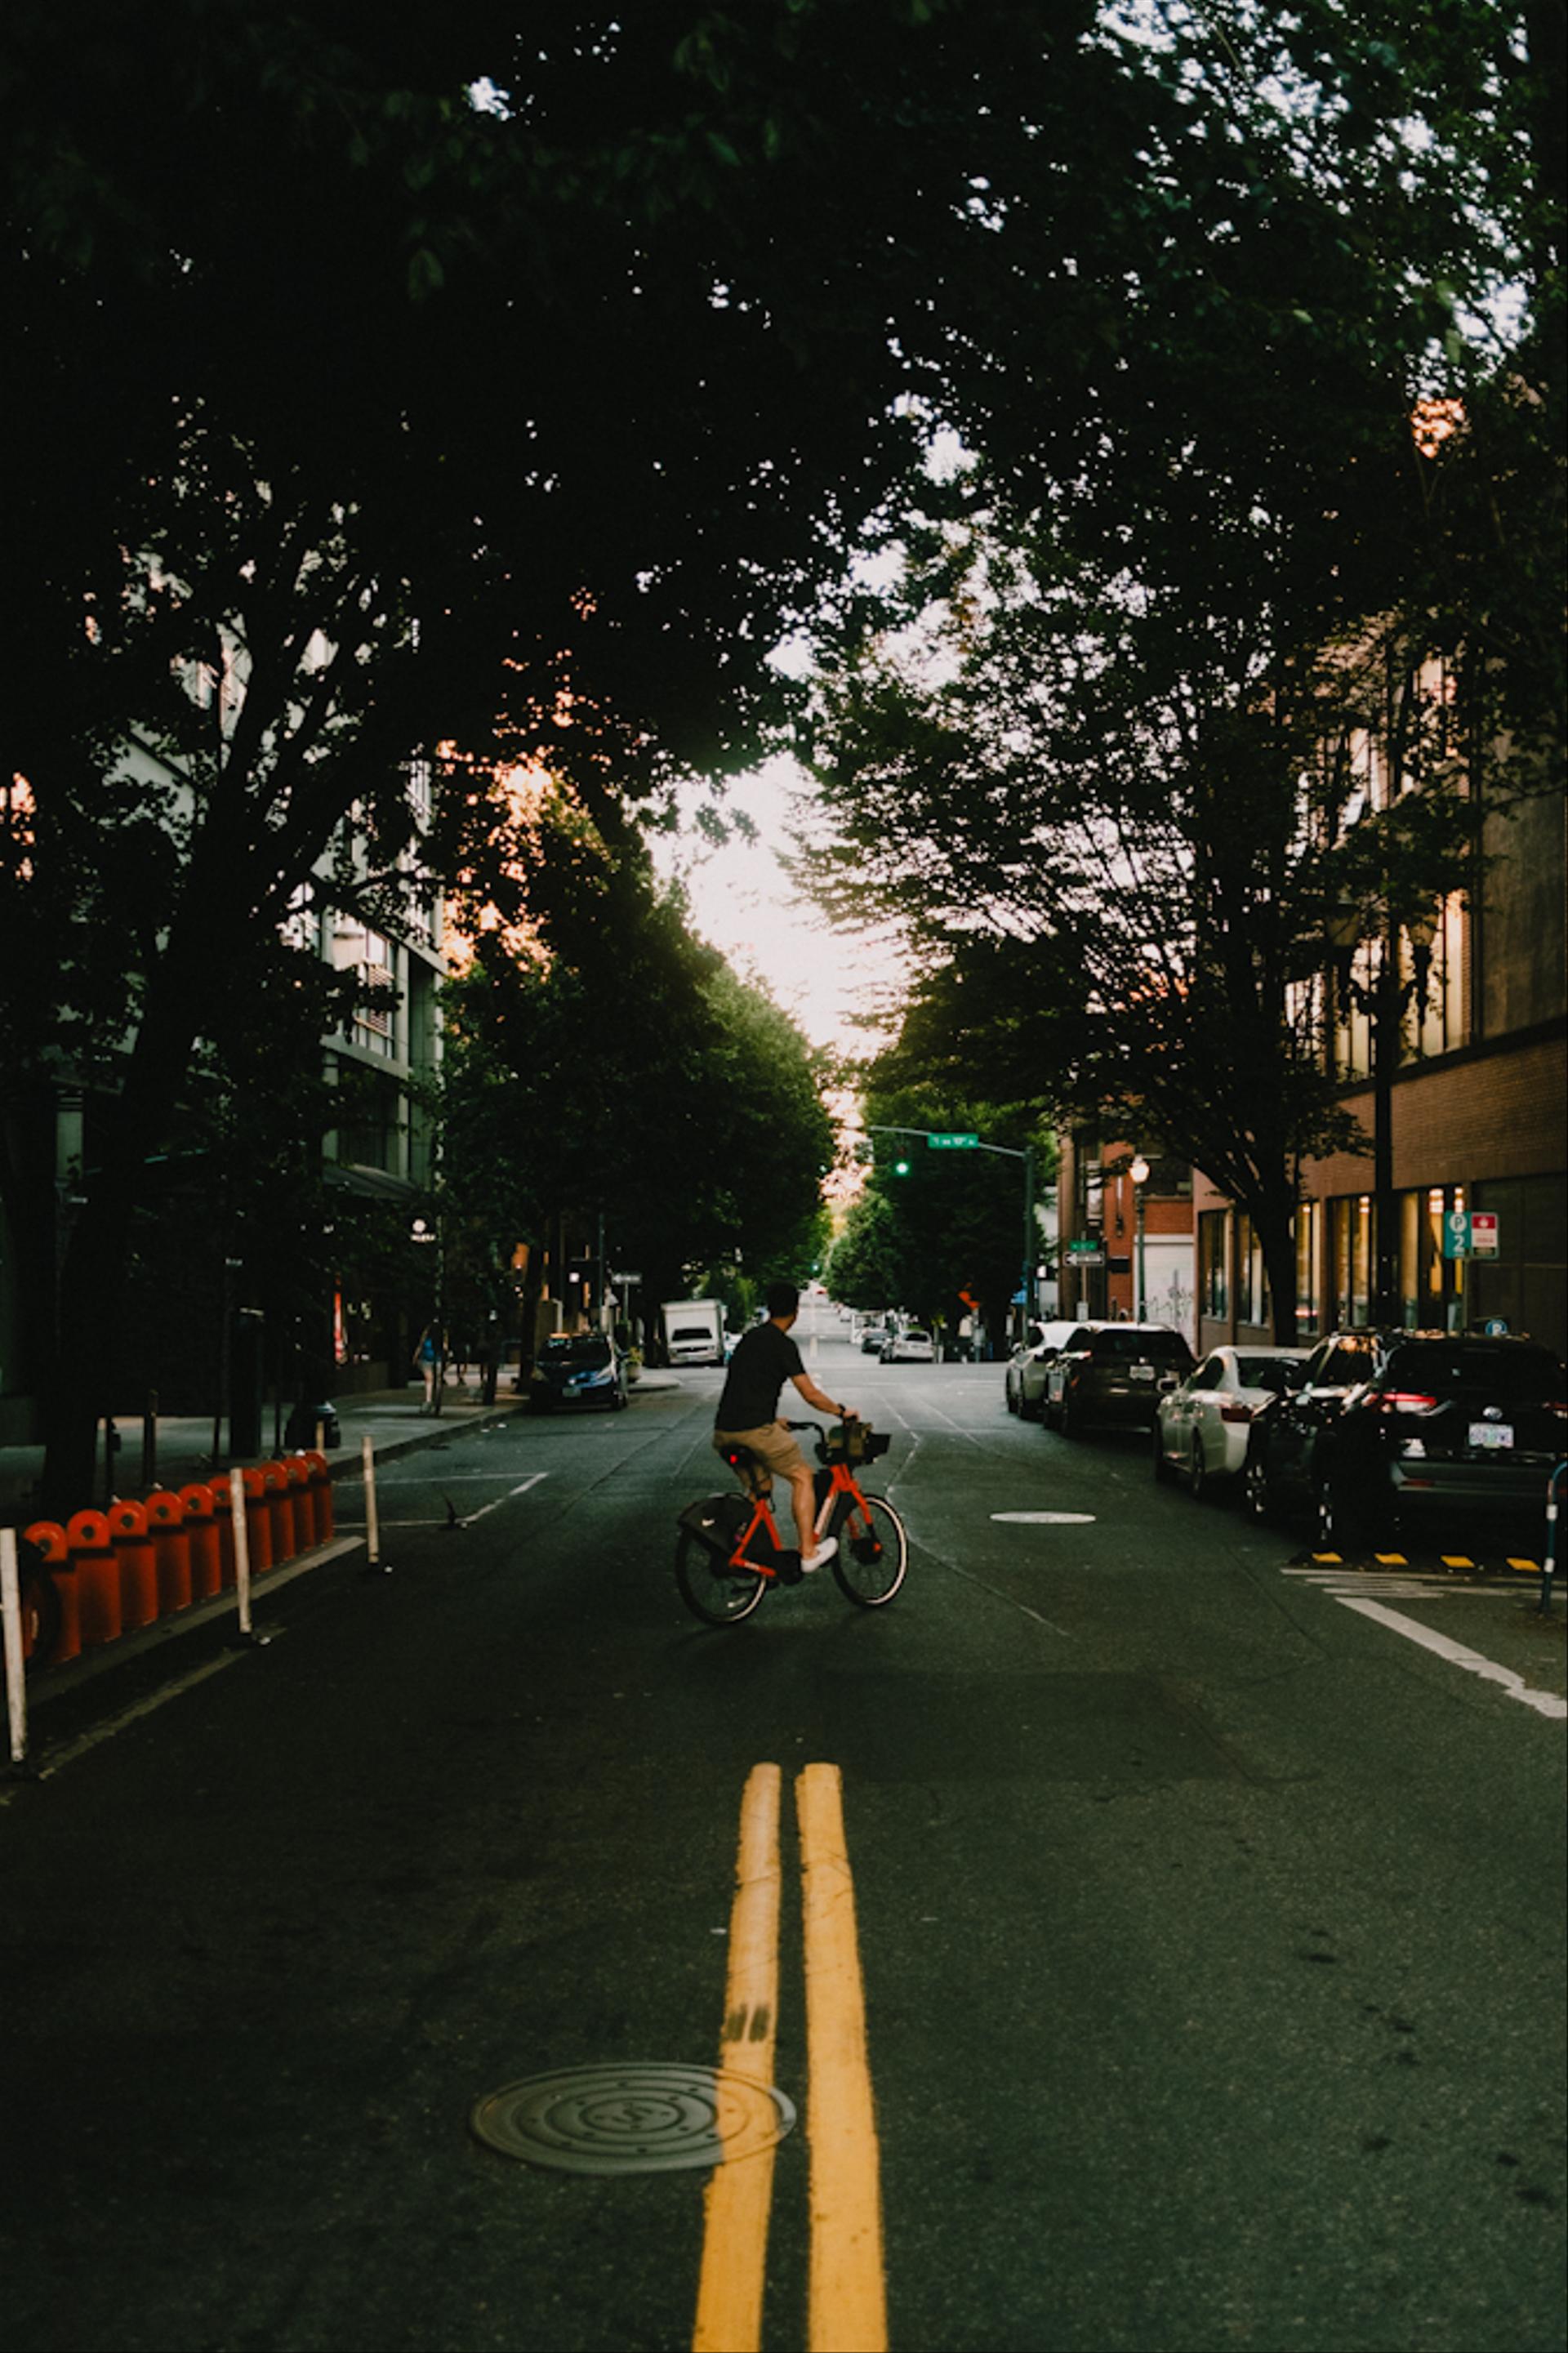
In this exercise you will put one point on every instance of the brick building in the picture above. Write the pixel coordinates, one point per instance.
(1114, 1230)
(1479, 1117)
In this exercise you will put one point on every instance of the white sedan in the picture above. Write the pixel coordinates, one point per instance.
(1200, 1426)
(1029, 1366)
(910, 1347)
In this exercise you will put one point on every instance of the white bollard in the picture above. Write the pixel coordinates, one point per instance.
(241, 1548)
(371, 1518)
(15, 1666)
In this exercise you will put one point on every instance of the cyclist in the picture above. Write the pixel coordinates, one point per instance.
(764, 1358)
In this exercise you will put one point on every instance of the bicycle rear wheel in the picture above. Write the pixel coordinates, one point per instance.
(873, 1553)
(719, 1596)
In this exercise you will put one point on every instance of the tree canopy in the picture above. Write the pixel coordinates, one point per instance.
(609, 1064)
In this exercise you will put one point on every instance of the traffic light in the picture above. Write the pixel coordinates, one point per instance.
(900, 1168)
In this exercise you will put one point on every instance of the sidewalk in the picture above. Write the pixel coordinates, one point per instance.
(394, 1420)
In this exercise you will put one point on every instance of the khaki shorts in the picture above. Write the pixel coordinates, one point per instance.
(773, 1444)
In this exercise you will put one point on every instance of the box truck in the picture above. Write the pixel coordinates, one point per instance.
(694, 1331)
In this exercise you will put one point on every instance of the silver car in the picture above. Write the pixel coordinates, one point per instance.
(1201, 1426)
(1028, 1367)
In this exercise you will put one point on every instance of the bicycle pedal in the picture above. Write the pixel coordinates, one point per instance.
(789, 1570)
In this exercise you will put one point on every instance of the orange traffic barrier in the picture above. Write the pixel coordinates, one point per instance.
(279, 1512)
(91, 1547)
(322, 1491)
(49, 1538)
(203, 1542)
(138, 1564)
(258, 1521)
(222, 1515)
(171, 1549)
(302, 1495)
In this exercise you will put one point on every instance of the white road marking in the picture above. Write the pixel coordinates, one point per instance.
(1048, 1519)
(100, 1733)
(532, 1480)
(1458, 1655)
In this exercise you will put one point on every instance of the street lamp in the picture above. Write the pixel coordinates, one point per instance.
(1139, 1172)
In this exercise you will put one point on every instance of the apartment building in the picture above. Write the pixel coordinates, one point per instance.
(1477, 1113)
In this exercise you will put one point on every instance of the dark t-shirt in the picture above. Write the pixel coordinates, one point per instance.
(764, 1360)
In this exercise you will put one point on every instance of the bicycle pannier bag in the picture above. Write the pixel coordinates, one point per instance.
(718, 1521)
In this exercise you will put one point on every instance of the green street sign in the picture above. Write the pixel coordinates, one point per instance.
(953, 1142)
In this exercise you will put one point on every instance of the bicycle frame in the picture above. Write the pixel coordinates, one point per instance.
(842, 1481)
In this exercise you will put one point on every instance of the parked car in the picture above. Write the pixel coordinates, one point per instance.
(1201, 1425)
(582, 1368)
(874, 1339)
(1109, 1376)
(1393, 1427)
(914, 1347)
(1029, 1365)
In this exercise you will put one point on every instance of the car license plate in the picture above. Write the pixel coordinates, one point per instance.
(1142, 1372)
(1491, 1433)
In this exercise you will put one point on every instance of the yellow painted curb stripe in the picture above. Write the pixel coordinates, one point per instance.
(847, 2283)
(740, 2194)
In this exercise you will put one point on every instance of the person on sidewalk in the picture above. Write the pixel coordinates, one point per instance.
(427, 1365)
(764, 1358)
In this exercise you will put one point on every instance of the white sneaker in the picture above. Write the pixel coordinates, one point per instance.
(822, 1556)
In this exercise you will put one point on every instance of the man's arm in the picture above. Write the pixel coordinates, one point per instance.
(819, 1397)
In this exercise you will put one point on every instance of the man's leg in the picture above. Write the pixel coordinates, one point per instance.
(802, 1503)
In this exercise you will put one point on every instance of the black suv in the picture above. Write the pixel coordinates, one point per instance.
(1111, 1375)
(1393, 1426)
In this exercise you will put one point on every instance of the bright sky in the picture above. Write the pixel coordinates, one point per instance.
(742, 903)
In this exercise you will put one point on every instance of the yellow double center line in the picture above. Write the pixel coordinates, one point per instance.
(847, 2297)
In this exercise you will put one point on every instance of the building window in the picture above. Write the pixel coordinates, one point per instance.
(1432, 1287)
(1214, 1292)
(1307, 1217)
(1253, 1304)
(373, 1018)
(1350, 1257)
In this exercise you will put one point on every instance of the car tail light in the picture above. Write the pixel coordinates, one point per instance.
(1403, 1401)
(1559, 1406)
(1236, 1413)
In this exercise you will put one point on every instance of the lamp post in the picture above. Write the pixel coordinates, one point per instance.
(1139, 1172)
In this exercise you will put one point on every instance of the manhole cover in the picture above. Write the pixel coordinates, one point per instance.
(645, 2119)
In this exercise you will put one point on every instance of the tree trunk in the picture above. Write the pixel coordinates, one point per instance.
(1273, 1216)
(93, 1268)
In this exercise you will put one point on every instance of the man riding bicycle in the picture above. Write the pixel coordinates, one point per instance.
(748, 1412)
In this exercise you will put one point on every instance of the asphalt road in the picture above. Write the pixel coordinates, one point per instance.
(1210, 1930)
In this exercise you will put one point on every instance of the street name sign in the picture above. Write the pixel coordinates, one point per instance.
(953, 1142)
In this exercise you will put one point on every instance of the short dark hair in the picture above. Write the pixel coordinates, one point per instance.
(783, 1299)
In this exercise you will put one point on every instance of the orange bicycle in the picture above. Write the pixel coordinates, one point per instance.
(729, 1550)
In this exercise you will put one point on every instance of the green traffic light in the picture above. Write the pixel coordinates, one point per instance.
(900, 1168)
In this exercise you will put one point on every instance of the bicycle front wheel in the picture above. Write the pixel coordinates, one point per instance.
(720, 1596)
(873, 1553)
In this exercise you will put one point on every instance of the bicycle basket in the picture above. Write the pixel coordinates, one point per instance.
(856, 1442)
